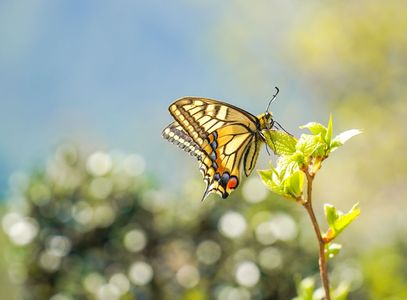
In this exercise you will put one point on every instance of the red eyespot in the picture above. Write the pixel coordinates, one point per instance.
(232, 183)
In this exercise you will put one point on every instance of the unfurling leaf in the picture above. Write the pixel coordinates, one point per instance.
(338, 220)
(315, 128)
(328, 135)
(286, 180)
(308, 144)
(331, 214)
(272, 182)
(332, 249)
(293, 184)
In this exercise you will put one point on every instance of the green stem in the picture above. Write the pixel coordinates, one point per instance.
(323, 266)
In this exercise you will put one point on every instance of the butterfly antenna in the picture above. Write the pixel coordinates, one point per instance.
(267, 149)
(282, 128)
(272, 99)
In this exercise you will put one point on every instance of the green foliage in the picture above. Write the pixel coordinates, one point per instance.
(280, 142)
(306, 291)
(287, 184)
(90, 228)
(338, 220)
(341, 292)
(385, 269)
(300, 157)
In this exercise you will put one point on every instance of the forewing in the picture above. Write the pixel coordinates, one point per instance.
(199, 117)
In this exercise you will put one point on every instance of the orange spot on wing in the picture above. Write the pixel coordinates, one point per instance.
(232, 183)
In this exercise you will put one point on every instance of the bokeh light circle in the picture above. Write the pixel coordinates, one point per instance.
(232, 224)
(99, 164)
(254, 190)
(140, 273)
(247, 274)
(135, 240)
(208, 252)
(270, 258)
(188, 276)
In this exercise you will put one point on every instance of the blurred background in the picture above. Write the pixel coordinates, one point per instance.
(95, 205)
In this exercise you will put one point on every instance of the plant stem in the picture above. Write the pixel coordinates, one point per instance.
(323, 267)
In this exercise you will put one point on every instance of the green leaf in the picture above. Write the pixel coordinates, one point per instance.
(294, 184)
(328, 135)
(285, 179)
(315, 128)
(345, 219)
(271, 180)
(280, 142)
(331, 214)
(308, 143)
(332, 249)
(288, 164)
(338, 221)
(341, 292)
(305, 289)
(343, 137)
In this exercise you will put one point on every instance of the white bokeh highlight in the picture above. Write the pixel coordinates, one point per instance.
(99, 164)
(254, 190)
(232, 224)
(140, 273)
(247, 274)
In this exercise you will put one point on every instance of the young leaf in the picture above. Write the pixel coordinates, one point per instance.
(305, 289)
(280, 142)
(341, 292)
(342, 138)
(273, 184)
(294, 184)
(345, 219)
(315, 128)
(328, 135)
(308, 143)
(285, 179)
(332, 249)
(331, 215)
(337, 220)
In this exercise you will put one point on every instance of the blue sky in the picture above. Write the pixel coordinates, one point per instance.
(102, 73)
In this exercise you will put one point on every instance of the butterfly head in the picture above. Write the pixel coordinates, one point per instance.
(266, 120)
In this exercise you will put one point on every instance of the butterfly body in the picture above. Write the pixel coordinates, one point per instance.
(221, 136)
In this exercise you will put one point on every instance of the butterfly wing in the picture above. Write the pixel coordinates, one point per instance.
(220, 166)
(175, 134)
(201, 116)
(221, 135)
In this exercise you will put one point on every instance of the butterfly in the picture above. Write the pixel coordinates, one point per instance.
(221, 136)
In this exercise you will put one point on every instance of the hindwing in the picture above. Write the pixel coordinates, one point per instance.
(175, 134)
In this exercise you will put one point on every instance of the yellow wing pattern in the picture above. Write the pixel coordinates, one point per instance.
(220, 135)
